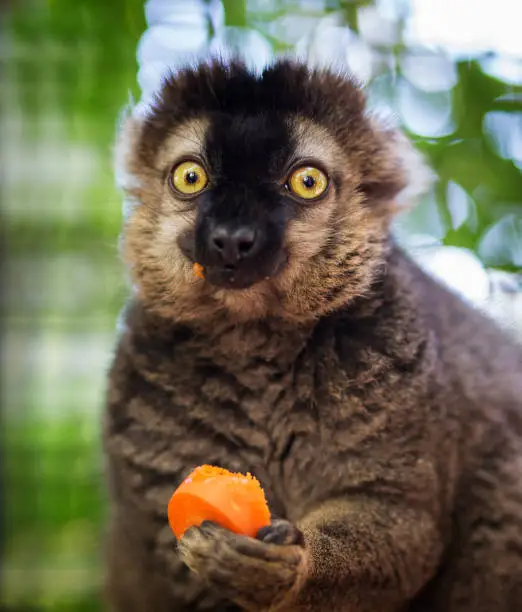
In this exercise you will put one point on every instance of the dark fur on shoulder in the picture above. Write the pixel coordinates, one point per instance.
(382, 415)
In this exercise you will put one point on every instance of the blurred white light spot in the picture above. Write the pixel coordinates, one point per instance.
(419, 241)
(502, 243)
(150, 77)
(333, 45)
(393, 9)
(376, 29)
(311, 5)
(459, 269)
(382, 95)
(424, 219)
(429, 71)
(461, 207)
(426, 114)
(263, 6)
(360, 58)
(184, 12)
(505, 132)
(325, 45)
(291, 27)
(465, 27)
(250, 45)
(511, 97)
(506, 69)
(162, 43)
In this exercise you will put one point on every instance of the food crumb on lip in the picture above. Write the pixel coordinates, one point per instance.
(198, 270)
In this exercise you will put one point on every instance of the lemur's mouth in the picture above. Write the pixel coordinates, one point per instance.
(242, 274)
(238, 277)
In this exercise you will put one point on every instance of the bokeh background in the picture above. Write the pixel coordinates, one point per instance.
(448, 71)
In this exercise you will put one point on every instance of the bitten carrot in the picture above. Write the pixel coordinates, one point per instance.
(198, 270)
(234, 501)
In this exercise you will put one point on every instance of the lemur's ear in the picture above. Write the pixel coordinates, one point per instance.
(395, 174)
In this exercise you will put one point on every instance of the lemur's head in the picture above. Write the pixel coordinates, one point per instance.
(279, 184)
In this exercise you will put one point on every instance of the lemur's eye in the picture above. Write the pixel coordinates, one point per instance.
(307, 182)
(188, 178)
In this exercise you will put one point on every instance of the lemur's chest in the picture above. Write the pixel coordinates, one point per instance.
(285, 425)
(292, 413)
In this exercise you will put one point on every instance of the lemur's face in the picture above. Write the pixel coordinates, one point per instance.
(278, 185)
(254, 180)
(257, 194)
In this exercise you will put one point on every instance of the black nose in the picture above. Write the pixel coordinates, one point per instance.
(232, 245)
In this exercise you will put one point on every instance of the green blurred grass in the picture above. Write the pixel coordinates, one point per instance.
(54, 512)
(71, 66)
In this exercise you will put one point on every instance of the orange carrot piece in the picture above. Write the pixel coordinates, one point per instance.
(234, 501)
(198, 270)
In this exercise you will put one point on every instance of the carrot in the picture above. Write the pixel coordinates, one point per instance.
(234, 501)
(198, 270)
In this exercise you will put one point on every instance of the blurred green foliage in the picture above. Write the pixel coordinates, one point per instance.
(75, 59)
(468, 158)
(67, 71)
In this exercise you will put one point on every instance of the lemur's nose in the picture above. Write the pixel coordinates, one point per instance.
(233, 244)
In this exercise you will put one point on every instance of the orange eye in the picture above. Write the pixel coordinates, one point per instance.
(308, 182)
(189, 178)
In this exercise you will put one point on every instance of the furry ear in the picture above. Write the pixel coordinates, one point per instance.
(419, 177)
(396, 174)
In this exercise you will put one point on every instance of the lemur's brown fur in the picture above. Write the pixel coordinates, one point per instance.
(382, 415)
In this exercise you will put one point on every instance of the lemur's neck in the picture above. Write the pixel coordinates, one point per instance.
(225, 342)
(384, 316)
